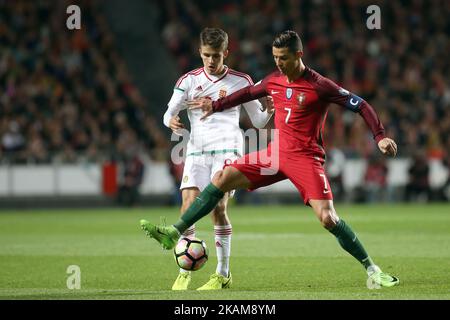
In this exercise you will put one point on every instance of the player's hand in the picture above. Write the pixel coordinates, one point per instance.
(388, 146)
(204, 103)
(175, 124)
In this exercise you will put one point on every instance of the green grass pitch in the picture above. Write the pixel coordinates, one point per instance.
(278, 252)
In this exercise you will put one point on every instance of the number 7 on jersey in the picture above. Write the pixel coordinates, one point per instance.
(288, 114)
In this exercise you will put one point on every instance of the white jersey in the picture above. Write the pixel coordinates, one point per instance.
(220, 132)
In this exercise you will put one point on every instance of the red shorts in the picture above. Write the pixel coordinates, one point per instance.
(306, 173)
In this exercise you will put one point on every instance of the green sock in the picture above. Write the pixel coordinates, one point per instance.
(350, 243)
(202, 205)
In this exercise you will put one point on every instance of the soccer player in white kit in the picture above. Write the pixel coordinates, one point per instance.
(209, 149)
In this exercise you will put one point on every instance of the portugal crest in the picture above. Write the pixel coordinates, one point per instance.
(289, 93)
(301, 99)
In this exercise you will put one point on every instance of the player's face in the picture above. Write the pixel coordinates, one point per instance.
(287, 62)
(213, 59)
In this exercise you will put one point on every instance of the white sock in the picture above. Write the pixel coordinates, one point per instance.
(189, 233)
(222, 240)
(372, 269)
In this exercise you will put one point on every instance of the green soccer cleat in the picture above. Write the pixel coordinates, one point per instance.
(217, 282)
(378, 279)
(182, 281)
(167, 236)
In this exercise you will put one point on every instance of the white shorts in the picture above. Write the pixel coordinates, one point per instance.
(200, 169)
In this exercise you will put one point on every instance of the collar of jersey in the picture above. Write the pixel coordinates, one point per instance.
(217, 78)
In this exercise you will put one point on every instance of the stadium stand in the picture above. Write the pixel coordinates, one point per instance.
(67, 96)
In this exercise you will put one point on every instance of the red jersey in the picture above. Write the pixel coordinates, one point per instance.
(301, 108)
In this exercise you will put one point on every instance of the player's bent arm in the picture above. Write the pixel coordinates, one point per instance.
(241, 96)
(175, 105)
(259, 116)
(372, 121)
(331, 92)
(386, 145)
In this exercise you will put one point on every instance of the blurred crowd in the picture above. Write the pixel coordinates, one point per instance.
(66, 95)
(403, 70)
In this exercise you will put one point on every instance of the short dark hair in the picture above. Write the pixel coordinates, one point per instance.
(288, 39)
(214, 37)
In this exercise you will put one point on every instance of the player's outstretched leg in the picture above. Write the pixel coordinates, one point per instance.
(349, 242)
(167, 236)
(226, 180)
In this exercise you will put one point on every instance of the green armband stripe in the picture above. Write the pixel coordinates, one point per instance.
(213, 152)
(178, 89)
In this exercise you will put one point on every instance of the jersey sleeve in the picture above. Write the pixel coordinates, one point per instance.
(178, 100)
(241, 96)
(332, 93)
(257, 112)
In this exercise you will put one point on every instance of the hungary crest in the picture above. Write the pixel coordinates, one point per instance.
(223, 92)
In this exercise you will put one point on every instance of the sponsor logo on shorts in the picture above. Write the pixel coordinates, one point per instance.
(185, 179)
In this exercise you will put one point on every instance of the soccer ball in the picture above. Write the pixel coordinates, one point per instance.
(191, 254)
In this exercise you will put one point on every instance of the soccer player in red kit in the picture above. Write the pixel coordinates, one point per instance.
(301, 98)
